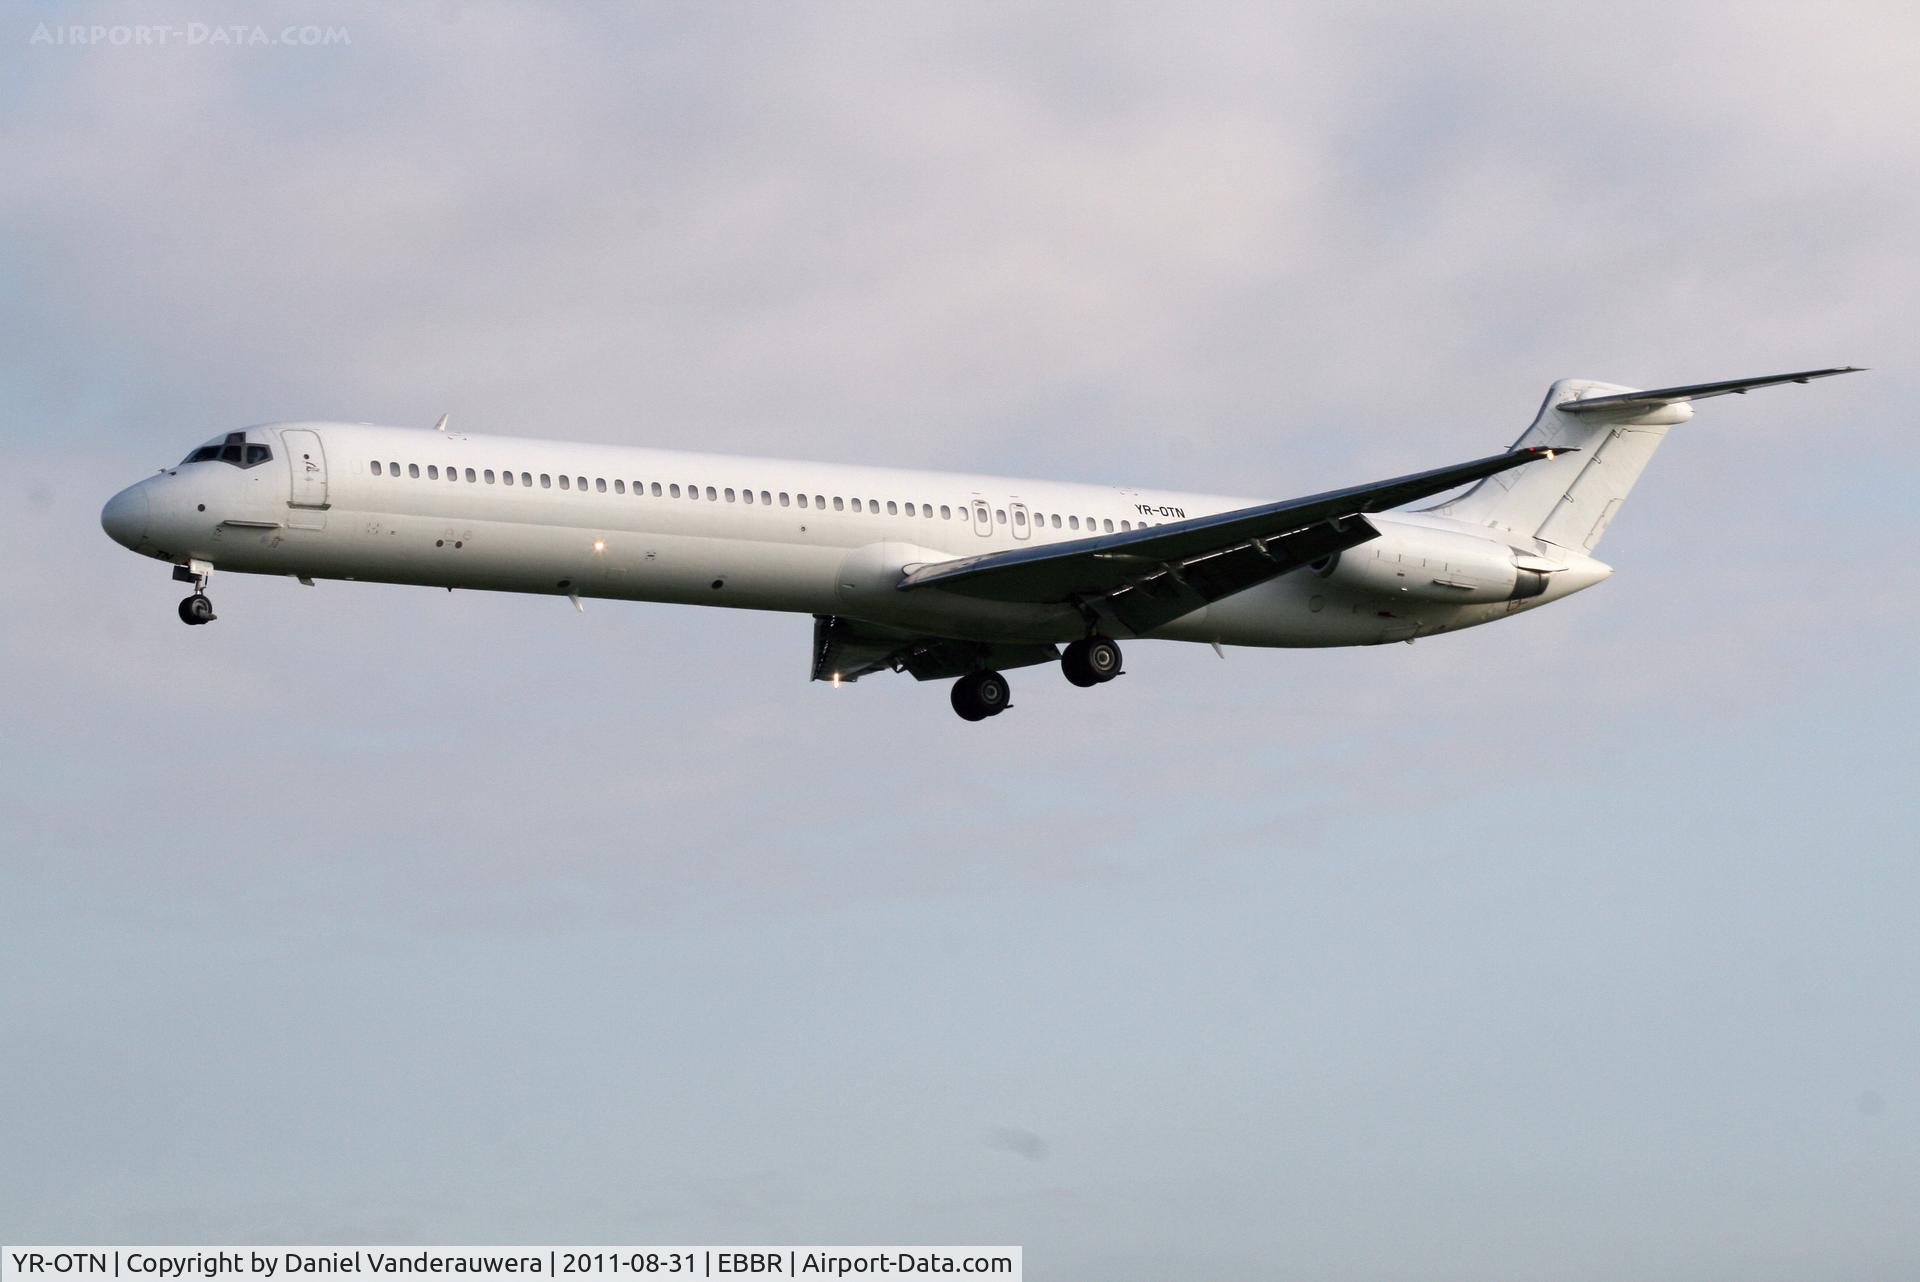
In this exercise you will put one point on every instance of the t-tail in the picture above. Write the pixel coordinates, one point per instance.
(1570, 501)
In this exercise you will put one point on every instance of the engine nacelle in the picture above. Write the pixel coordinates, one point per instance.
(1439, 566)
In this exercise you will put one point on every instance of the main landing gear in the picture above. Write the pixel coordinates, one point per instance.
(196, 609)
(983, 694)
(1091, 662)
(980, 695)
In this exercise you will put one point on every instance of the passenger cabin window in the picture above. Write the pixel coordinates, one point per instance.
(729, 494)
(656, 490)
(580, 482)
(505, 477)
(393, 469)
(433, 473)
(201, 453)
(619, 487)
(599, 485)
(489, 476)
(766, 499)
(546, 481)
(564, 484)
(803, 500)
(711, 496)
(838, 506)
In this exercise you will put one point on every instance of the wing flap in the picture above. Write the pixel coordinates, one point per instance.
(1167, 591)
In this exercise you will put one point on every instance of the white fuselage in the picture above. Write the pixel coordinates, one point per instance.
(435, 508)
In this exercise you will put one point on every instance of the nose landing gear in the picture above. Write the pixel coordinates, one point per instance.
(196, 609)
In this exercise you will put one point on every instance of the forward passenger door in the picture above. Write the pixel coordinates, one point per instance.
(307, 464)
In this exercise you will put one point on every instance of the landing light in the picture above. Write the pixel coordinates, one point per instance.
(836, 680)
(599, 545)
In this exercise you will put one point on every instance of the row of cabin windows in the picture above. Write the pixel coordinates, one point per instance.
(767, 498)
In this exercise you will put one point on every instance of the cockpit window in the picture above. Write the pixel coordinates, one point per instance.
(234, 448)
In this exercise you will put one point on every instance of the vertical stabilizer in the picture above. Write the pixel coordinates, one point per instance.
(1569, 501)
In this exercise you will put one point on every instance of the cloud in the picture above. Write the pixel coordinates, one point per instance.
(687, 942)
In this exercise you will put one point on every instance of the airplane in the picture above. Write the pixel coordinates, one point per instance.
(940, 575)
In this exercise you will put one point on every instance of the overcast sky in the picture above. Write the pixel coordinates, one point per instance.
(1578, 947)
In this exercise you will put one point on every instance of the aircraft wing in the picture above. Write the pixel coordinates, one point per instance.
(1148, 577)
(1697, 391)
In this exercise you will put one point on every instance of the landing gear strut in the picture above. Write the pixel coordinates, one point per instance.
(980, 695)
(1091, 662)
(196, 609)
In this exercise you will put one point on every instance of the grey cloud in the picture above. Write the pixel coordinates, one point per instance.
(380, 912)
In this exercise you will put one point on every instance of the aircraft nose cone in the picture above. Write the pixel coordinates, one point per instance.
(124, 518)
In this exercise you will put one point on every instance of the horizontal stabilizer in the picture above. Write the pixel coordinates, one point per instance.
(1657, 396)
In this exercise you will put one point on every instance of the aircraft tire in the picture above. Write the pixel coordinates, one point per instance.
(1073, 666)
(1092, 661)
(980, 695)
